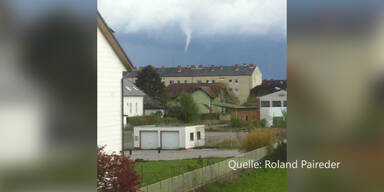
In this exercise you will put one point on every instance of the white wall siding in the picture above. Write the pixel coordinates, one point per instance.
(133, 106)
(109, 101)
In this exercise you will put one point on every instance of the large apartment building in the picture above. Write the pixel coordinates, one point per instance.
(241, 78)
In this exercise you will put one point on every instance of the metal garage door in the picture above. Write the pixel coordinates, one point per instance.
(148, 140)
(170, 140)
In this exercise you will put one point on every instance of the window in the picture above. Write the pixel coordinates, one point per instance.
(136, 138)
(285, 103)
(185, 81)
(236, 81)
(191, 136)
(171, 81)
(136, 107)
(265, 104)
(236, 89)
(198, 135)
(213, 81)
(207, 81)
(230, 81)
(178, 81)
(130, 107)
(276, 103)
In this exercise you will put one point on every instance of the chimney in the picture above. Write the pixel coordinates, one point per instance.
(212, 67)
(251, 66)
(193, 67)
(179, 68)
(236, 67)
(200, 66)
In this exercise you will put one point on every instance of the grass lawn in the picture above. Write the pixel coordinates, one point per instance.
(263, 180)
(154, 171)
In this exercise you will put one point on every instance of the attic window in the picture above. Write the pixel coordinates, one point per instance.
(135, 88)
(129, 89)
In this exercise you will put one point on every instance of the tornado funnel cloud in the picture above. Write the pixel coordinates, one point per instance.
(187, 40)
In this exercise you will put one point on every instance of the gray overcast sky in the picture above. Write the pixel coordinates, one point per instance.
(208, 32)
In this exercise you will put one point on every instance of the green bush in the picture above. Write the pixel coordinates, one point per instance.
(258, 123)
(280, 153)
(236, 122)
(258, 138)
(151, 120)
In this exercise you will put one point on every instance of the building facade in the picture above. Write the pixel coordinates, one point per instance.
(241, 78)
(111, 62)
(272, 106)
(133, 100)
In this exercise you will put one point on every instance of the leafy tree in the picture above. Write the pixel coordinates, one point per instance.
(149, 81)
(189, 110)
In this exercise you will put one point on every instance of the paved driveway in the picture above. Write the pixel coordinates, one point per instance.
(152, 155)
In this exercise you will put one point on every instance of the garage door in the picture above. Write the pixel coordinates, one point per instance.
(170, 140)
(148, 139)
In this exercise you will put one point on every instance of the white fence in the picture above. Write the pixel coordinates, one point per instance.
(194, 179)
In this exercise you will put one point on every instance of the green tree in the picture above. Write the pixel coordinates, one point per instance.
(149, 81)
(189, 110)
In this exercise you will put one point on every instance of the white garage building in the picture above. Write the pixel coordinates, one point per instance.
(168, 137)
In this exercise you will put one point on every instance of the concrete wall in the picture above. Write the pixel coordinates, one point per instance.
(109, 99)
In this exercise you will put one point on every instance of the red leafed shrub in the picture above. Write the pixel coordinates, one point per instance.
(115, 173)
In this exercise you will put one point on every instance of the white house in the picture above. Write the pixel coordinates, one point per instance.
(272, 105)
(168, 137)
(133, 100)
(111, 62)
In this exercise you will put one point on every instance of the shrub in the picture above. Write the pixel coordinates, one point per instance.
(189, 110)
(115, 173)
(236, 122)
(258, 123)
(174, 111)
(151, 120)
(258, 138)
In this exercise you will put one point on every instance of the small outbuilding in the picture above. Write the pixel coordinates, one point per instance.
(168, 137)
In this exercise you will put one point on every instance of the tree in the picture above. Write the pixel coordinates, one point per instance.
(115, 173)
(149, 81)
(189, 110)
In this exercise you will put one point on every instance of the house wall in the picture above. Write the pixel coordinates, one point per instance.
(109, 99)
(241, 88)
(133, 106)
(268, 113)
(202, 100)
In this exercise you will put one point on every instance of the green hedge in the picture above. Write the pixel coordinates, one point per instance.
(151, 120)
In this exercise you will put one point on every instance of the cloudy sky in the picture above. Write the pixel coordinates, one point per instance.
(208, 32)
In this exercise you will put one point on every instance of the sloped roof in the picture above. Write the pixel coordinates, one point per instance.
(108, 34)
(130, 89)
(243, 70)
(268, 87)
(211, 89)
